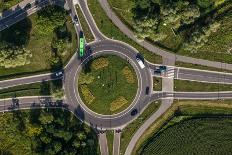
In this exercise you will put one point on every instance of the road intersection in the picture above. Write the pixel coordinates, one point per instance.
(104, 45)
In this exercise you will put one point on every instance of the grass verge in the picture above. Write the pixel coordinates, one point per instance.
(190, 108)
(157, 84)
(88, 34)
(130, 129)
(106, 26)
(182, 85)
(110, 140)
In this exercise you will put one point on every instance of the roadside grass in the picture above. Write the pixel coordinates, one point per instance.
(217, 48)
(22, 131)
(6, 4)
(108, 84)
(183, 85)
(110, 140)
(87, 32)
(157, 84)
(106, 26)
(186, 108)
(196, 66)
(40, 46)
(192, 136)
(130, 129)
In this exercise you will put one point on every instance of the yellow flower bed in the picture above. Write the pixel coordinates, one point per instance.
(88, 96)
(128, 74)
(118, 103)
(100, 63)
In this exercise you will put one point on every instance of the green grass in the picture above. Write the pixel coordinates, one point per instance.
(6, 4)
(22, 90)
(109, 84)
(40, 46)
(88, 34)
(157, 84)
(195, 136)
(182, 85)
(217, 47)
(110, 140)
(196, 66)
(106, 26)
(130, 129)
(190, 108)
(21, 132)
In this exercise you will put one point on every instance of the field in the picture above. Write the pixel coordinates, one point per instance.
(87, 32)
(48, 131)
(182, 85)
(131, 128)
(40, 45)
(188, 109)
(218, 47)
(194, 136)
(106, 26)
(107, 85)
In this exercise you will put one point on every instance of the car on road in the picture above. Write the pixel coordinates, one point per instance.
(28, 6)
(147, 90)
(59, 74)
(134, 112)
(75, 18)
(141, 64)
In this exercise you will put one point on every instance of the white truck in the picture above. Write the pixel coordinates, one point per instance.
(141, 64)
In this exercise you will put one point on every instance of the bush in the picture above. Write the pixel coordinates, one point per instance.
(100, 63)
(88, 96)
(85, 78)
(118, 103)
(128, 75)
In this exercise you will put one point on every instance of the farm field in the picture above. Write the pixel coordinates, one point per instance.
(194, 136)
(107, 84)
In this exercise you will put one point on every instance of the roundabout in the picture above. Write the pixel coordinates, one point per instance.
(107, 120)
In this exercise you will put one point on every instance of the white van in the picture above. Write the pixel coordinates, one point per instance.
(140, 63)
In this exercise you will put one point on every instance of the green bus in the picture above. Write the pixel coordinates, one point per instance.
(81, 44)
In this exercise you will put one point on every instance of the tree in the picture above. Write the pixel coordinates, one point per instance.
(46, 118)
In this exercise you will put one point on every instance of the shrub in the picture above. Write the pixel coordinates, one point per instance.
(88, 96)
(85, 78)
(128, 74)
(100, 63)
(118, 103)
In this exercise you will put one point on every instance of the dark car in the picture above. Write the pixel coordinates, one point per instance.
(134, 112)
(162, 68)
(157, 71)
(28, 6)
(147, 90)
(75, 18)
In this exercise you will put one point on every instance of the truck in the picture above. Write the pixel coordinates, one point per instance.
(141, 64)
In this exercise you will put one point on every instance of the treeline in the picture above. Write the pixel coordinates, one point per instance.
(179, 15)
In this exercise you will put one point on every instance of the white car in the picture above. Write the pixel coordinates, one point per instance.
(59, 74)
(141, 64)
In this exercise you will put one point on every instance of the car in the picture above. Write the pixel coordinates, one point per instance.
(162, 68)
(75, 18)
(59, 74)
(28, 6)
(147, 90)
(141, 64)
(157, 71)
(134, 112)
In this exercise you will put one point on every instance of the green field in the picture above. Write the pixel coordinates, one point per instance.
(6, 4)
(87, 32)
(182, 85)
(106, 26)
(184, 109)
(48, 131)
(110, 140)
(194, 136)
(103, 86)
(218, 47)
(131, 128)
(41, 32)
